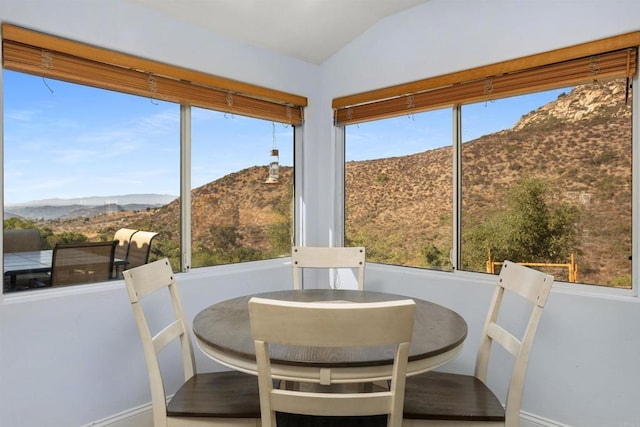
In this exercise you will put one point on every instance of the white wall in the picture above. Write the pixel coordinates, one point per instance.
(443, 36)
(128, 28)
(584, 367)
(68, 360)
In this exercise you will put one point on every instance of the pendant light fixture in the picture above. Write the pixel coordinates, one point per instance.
(274, 164)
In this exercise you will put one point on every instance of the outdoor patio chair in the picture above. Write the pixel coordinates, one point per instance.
(208, 399)
(86, 262)
(328, 258)
(123, 236)
(438, 398)
(22, 240)
(139, 248)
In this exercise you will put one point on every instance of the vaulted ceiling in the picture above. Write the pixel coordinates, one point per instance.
(311, 30)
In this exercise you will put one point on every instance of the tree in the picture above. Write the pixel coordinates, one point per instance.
(279, 237)
(18, 224)
(528, 229)
(435, 257)
(278, 232)
(66, 237)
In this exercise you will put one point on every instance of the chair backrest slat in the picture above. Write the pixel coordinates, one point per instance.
(531, 284)
(330, 324)
(327, 257)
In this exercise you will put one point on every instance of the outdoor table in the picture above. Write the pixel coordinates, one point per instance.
(33, 262)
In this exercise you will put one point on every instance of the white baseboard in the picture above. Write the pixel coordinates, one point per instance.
(136, 417)
(143, 417)
(530, 420)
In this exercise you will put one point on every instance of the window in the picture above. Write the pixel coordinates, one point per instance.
(81, 163)
(554, 189)
(398, 178)
(239, 211)
(542, 161)
(104, 135)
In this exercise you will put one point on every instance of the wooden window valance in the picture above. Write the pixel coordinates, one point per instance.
(53, 57)
(595, 61)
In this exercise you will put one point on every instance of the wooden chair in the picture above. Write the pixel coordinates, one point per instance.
(327, 257)
(22, 240)
(86, 262)
(139, 248)
(332, 324)
(123, 237)
(437, 398)
(211, 399)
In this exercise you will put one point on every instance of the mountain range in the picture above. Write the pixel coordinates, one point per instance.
(84, 207)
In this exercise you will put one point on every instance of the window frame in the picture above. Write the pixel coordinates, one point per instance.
(577, 64)
(632, 40)
(250, 101)
(54, 57)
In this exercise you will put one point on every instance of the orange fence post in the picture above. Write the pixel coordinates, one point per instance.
(491, 265)
(573, 270)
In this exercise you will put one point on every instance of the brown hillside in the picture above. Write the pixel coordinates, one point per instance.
(239, 200)
(581, 142)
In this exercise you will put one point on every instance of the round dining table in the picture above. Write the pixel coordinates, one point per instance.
(223, 332)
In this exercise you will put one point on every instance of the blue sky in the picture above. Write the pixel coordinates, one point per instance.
(68, 141)
(433, 129)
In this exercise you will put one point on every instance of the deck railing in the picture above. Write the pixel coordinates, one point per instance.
(571, 266)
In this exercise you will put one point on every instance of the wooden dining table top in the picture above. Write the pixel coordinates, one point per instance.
(223, 332)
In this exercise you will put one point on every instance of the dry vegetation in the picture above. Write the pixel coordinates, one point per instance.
(581, 143)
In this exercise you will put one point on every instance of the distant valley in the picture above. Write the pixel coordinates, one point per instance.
(87, 207)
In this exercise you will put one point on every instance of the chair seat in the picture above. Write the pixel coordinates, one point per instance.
(443, 396)
(218, 395)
